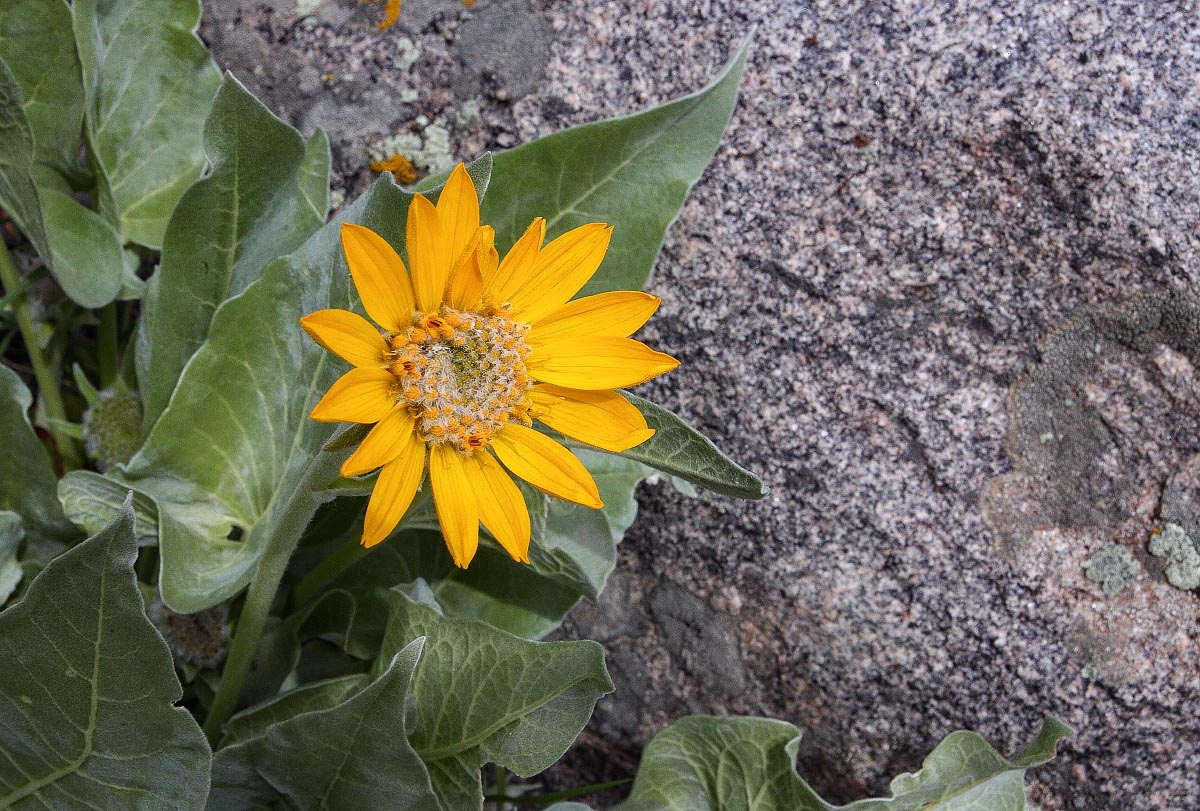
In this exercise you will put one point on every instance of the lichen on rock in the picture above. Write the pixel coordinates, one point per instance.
(1183, 561)
(1113, 567)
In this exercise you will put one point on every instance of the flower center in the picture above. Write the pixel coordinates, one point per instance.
(462, 374)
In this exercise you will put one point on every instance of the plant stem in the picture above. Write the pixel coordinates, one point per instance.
(47, 380)
(255, 610)
(324, 572)
(501, 787)
(109, 350)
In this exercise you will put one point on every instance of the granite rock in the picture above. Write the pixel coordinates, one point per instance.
(881, 293)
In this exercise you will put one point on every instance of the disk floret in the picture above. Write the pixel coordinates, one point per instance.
(462, 374)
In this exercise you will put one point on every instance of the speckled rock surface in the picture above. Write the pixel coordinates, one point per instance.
(911, 206)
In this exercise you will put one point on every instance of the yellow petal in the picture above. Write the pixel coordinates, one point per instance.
(562, 268)
(597, 363)
(385, 442)
(466, 282)
(348, 335)
(618, 314)
(517, 263)
(604, 419)
(457, 511)
(458, 212)
(427, 254)
(394, 491)
(546, 465)
(379, 276)
(502, 508)
(361, 395)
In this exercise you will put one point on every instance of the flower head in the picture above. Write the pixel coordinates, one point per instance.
(468, 352)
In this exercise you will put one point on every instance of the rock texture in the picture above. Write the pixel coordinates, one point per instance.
(937, 288)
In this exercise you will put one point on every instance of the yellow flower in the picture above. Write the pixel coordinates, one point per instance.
(468, 352)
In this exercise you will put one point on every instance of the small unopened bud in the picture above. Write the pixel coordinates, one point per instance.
(200, 639)
(112, 428)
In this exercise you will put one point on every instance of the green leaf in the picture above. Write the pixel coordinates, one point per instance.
(578, 545)
(495, 589)
(738, 764)
(27, 481)
(90, 499)
(148, 84)
(314, 172)
(354, 755)
(87, 690)
(81, 250)
(333, 615)
(633, 172)
(18, 189)
(321, 695)
(11, 535)
(679, 449)
(484, 695)
(37, 44)
(85, 252)
(252, 208)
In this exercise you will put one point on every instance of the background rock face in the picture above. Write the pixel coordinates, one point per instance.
(906, 293)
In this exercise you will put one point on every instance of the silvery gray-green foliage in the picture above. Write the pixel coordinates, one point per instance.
(25, 467)
(11, 535)
(252, 207)
(353, 755)
(748, 764)
(483, 695)
(87, 691)
(145, 107)
(87, 67)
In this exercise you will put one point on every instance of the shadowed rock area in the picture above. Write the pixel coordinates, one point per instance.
(937, 288)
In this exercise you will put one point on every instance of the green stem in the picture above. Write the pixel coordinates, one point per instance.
(501, 787)
(324, 572)
(47, 380)
(250, 624)
(109, 350)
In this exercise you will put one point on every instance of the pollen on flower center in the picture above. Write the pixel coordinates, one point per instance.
(462, 374)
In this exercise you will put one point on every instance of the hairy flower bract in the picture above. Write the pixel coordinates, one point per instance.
(468, 351)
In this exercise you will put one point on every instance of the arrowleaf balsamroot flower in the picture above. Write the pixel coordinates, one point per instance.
(469, 350)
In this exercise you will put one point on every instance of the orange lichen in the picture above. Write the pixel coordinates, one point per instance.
(391, 12)
(400, 167)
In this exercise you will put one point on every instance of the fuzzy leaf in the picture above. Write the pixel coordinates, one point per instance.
(578, 545)
(632, 172)
(679, 449)
(11, 535)
(354, 755)
(89, 499)
(251, 208)
(81, 249)
(253, 721)
(87, 690)
(484, 695)
(37, 44)
(85, 253)
(703, 763)
(27, 481)
(148, 84)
